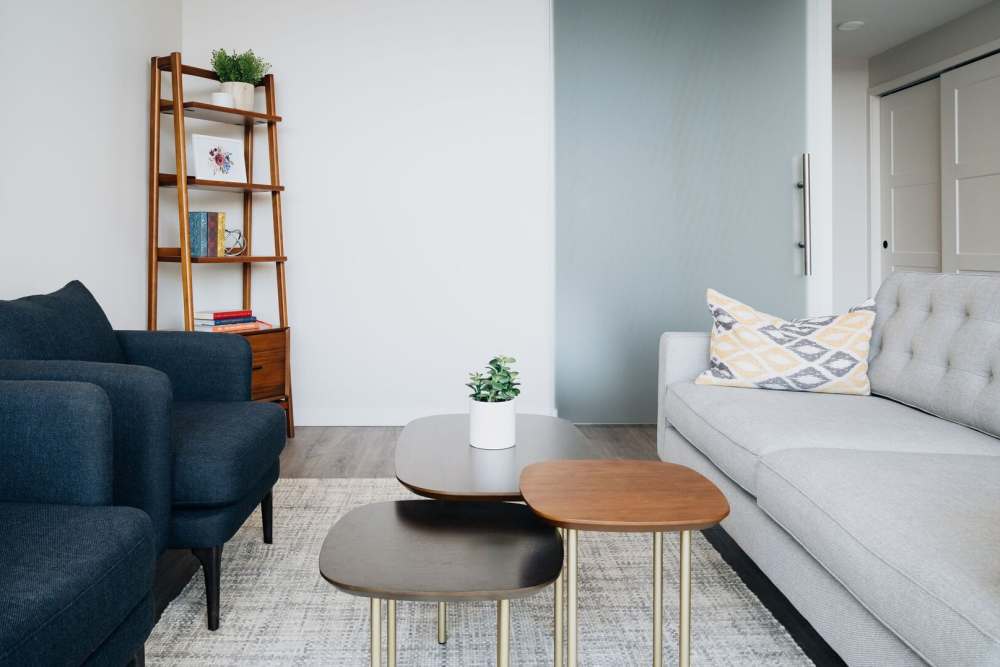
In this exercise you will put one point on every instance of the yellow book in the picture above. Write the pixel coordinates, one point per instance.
(222, 235)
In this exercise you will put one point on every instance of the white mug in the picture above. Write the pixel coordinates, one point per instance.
(222, 100)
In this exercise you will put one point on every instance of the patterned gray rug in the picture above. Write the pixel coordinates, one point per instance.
(277, 610)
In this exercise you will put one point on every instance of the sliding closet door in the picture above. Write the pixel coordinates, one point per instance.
(680, 126)
(911, 179)
(970, 166)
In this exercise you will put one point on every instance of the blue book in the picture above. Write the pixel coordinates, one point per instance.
(198, 224)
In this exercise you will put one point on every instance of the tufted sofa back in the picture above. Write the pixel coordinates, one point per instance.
(936, 346)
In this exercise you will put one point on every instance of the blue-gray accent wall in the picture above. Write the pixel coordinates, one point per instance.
(679, 127)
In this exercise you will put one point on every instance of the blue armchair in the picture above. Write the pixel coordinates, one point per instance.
(76, 573)
(190, 448)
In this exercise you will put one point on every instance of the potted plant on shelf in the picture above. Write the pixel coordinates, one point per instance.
(492, 418)
(238, 74)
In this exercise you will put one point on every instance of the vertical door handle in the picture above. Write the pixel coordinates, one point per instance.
(805, 186)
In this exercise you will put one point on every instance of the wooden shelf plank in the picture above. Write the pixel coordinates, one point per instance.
(174, 255)
(205, 111)
(163, 63)
(170, 181)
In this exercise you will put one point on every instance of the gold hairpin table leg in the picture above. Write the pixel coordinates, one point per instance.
(390, 641)
(442, 622)
(684, 652)
(571, 598)
(657, 599)
(376, 632)
(503, 633)
(557, 613)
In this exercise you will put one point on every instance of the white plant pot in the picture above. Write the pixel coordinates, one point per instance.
(242, 94)
(492, 425)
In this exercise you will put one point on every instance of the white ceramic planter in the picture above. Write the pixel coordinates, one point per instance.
(492, 425)
(242, 94)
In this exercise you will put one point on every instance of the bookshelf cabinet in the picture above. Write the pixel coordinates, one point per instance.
(271, 375)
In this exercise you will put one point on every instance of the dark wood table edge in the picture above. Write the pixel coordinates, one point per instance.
(417, 596)
(461, 496)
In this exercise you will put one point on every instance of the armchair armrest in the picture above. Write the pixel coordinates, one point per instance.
(201, 366)
(683, 356)
(56, 444)
(141, 403)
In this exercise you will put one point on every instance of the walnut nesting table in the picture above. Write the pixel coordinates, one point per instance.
(626, 496)
(434, 458)
(432, 551)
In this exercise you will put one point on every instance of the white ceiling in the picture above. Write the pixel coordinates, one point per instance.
(891, 22)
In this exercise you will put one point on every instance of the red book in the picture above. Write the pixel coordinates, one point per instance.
(222, 314)
(213, 235)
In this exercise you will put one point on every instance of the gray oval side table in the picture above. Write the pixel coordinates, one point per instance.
(431, 551)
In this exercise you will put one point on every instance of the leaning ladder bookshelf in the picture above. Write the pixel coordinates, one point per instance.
(271, 376)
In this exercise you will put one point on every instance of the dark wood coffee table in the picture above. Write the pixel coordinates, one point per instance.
(434, 458)
(627, 496)
(431, 551)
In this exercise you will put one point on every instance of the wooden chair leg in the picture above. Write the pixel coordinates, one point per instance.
(267, 515)
(211, 566)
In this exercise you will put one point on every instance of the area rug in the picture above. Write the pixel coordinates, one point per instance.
(277, 610)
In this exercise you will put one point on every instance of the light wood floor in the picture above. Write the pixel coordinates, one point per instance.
(368, 451)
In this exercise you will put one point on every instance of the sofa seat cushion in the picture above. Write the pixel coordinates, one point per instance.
(735, 427)
(67, 324)
(69, 577)
(912, 536)
(221, 449)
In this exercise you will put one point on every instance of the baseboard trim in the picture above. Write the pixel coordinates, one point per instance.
(810, 641)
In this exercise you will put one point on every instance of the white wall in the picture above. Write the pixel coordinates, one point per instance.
(850, 183)
(417, 155)
(74, 117)
(969, 36)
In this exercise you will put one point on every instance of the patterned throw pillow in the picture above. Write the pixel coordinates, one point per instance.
(752, 349)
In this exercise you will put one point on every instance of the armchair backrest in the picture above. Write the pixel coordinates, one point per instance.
(67, 324)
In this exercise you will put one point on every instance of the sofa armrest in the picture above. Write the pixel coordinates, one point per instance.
(141, 408)
(201, 366)
(56, 443)
(683, 356)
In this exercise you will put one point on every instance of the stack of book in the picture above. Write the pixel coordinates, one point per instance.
(208, 233)
(228, 321)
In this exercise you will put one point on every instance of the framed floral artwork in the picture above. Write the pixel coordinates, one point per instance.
(217, 159)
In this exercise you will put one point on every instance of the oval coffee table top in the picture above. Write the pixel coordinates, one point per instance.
(434, 458)
(427, 550)
(626, 496)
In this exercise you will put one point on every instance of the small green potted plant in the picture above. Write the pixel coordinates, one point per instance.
(239, 73)
(492, 417)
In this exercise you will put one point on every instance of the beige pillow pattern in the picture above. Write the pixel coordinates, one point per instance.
(751, 349)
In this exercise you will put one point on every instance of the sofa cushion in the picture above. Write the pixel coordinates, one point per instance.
(735, 427)
(221, 449)
(66, 324)
(913, 536)
(936, 346)
(70, 576)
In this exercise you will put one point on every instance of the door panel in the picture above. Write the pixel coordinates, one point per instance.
(679, 133)
(911, 179)
(970, 166)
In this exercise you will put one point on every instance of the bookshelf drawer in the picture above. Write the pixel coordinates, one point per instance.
(268, 377)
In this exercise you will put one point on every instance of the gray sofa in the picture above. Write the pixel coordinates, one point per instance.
(877, 516)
